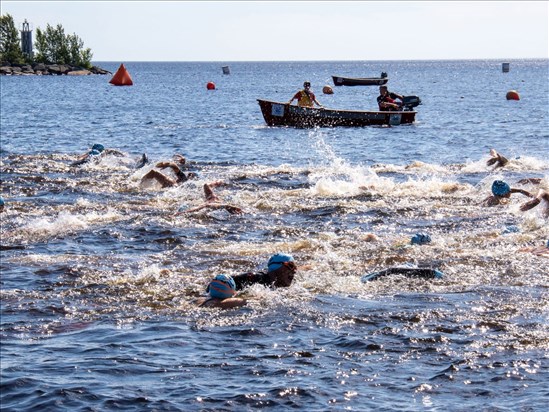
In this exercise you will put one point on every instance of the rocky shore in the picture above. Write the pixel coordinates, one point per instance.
(8, 69)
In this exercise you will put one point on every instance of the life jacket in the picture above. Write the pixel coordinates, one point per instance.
(305, 99)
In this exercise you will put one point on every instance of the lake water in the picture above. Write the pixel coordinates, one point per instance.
(98, 274)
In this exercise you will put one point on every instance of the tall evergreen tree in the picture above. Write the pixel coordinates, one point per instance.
(53, 46)
(10, 42)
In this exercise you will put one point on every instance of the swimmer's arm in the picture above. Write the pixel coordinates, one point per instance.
(228, 303)
(522, 192)
(165, 165)
(490, 201)
(231, 303)
(233, 210)
(530, 180)
(530, 204)
(194, 209)
(114, 152)
(496, 159)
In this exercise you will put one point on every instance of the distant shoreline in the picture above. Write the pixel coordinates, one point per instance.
(41, 69)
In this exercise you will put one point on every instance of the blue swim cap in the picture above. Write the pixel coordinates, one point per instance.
(94, 152)
(99, 147)
(222, 287)
(500, 188)
(275, 262)
(511, 229)
(1, 201)
(421, 239)
(438, 274)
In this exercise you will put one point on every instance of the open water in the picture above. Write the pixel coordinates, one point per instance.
(98, 275)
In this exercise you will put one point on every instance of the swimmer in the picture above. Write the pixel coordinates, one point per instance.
(98, 151)
(530, 181)
(221, 291)
(496, 159)
(542, 196)
(2, 204)
(423, 273)
(500, 191)
(177, 165)
(92, 155)
(281, 269)
(537, 250)
(213, 202)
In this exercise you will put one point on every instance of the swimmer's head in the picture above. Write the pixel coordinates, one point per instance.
(222, 287)
(1, 203)
(179, 159)
(279, 260)
(99, 147)
(421, 239)
(500, 188)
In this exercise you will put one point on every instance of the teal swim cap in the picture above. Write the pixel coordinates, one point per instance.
(421, 239)
(1, 201)
(500, 188)
(99, 147)
(276, 261)
(221, 287)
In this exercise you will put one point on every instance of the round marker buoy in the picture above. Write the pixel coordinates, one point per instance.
(210, 86)
(512, 95)
(327, 90)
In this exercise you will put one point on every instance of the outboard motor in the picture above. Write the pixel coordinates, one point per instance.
(383, 75)
(409, 102)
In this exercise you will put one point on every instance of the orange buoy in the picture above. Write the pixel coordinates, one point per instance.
(121, 77)
(512, 95)
(327, 90)
(210, 86)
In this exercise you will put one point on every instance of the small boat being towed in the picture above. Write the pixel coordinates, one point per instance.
(284, 114)
(360, 81)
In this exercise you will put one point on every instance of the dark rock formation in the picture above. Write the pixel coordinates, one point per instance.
(8, 69)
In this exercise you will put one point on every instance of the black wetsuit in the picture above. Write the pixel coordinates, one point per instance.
(244, 280)
(425, 273)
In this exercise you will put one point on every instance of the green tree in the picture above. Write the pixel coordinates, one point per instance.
(10, 43)
(53, 46)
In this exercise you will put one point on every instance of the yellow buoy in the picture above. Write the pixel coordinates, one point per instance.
(512, 95)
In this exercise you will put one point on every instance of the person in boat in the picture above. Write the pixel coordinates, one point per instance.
(281, 269)
(541, 197)
(305, 97)
(388, 100)
(177, 166)
(213, 201)
(501, 191)
(97, 151)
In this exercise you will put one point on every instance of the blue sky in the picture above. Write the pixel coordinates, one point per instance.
(290, 30)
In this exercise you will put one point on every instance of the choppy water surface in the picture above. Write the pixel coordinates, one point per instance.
(99, 274)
